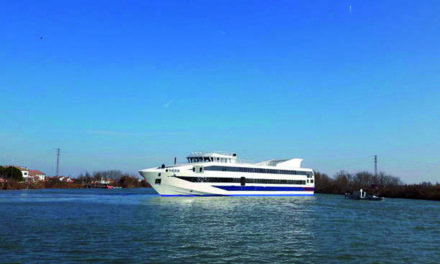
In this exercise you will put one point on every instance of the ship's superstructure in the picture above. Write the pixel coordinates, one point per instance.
(222, 174)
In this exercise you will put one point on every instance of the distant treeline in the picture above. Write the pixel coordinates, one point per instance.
(340, 183)
(14, 181)
(387, 185)
(10, 173)
(117, 178)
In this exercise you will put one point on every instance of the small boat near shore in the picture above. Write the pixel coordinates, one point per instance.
(363, 195)
(100, 186)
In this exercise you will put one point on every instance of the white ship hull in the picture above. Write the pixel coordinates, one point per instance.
(173, 186)
(229, 179)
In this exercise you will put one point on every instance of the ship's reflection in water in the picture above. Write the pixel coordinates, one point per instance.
(240, 229)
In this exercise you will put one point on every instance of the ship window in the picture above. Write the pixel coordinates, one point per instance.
(158, 174)
(200, 169)
(311, 181)
(157, 181)
(194, 169)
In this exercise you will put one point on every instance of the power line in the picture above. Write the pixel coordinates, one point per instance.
(58, 161)
(375, 165)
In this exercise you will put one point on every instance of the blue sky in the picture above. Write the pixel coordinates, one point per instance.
(131, 84)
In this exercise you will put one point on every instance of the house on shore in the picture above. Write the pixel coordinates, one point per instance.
(31, 175)
(104, 181)
(27, 174)
(60, 179)
(24, 172)
(37, 175)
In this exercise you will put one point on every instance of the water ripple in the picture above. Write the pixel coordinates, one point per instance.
(137, 226)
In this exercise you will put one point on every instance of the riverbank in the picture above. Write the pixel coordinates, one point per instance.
(405, 192)
(391, 187)
(412, 192)
(14, 185)
(383, 185)
(12, 179)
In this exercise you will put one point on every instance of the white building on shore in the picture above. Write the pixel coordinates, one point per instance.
(31, 175)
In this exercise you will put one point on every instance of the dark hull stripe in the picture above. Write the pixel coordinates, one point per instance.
(264, 188)
(238, 180)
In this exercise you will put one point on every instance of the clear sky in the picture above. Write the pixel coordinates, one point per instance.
(130, 84)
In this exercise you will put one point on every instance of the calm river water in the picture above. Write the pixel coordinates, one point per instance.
(138, 226)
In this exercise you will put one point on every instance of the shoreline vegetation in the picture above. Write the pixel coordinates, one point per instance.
(384, 185)
(99, 179)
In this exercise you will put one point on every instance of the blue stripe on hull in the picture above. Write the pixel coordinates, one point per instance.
(263, 188)
(188, 195)
(299, 194)
(205, 195)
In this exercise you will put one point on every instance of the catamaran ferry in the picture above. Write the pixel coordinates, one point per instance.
(222, 174)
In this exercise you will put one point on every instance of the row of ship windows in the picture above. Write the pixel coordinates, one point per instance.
(258, 170)
(209, 159)
(238, 180)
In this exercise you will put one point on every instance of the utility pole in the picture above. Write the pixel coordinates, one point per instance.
(58, 161)
(375, 165)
